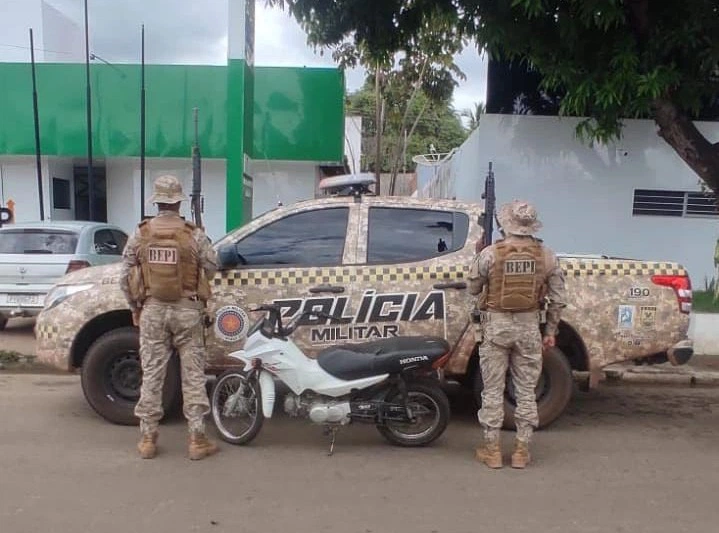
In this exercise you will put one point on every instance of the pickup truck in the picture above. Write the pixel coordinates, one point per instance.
(380, 266)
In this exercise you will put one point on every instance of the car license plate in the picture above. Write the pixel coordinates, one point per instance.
(23, 299)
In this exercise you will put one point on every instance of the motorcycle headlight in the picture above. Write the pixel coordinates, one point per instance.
(61, 293)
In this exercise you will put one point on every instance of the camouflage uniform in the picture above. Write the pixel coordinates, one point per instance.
(512, 340)
(166, 325)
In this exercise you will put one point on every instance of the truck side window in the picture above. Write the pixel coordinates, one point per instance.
(310, 238)
(398, 235)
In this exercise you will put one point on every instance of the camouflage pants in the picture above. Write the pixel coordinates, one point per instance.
(510, 341)
(162, 328)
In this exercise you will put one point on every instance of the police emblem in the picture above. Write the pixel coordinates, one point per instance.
(231, 323)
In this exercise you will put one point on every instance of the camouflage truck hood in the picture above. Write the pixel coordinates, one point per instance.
(106, 274)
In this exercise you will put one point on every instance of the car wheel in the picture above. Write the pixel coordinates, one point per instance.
(554, 390)
(112, 376)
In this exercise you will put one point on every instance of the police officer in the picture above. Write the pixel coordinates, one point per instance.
(514, 275)
(166, 264)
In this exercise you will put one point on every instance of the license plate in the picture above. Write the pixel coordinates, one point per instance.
(23, 299)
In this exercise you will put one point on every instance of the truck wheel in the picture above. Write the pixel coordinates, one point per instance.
(3, 322)
(112, 375)
(554, 390)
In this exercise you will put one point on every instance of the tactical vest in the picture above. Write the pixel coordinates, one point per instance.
(516, 278)
(169, 256)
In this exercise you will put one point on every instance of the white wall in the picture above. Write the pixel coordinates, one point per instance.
(18, 182)
(61, 168)
(287, 181)
(281, 181)
(584, 195)
(56, 34)
(704, 331)
(60, 32)
(353, 143)
(123, 190)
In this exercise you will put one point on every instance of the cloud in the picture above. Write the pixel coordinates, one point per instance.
(195, 32)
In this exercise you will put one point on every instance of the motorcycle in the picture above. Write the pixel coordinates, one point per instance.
(391, 383)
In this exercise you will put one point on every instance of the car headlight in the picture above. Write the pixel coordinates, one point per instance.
(62, 292)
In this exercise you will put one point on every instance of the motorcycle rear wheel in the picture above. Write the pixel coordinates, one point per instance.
(428, 402)
(248, 405)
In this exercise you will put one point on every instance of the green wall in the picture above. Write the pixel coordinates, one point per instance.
(298, 113)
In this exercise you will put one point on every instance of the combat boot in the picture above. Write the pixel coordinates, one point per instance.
(200, 446)
(520, 456)
(490, 453)
(148, 445)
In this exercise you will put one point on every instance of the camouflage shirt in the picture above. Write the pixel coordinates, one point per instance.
(479, 276)
(208, 257)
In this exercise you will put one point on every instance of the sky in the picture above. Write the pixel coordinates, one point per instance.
(192, 32)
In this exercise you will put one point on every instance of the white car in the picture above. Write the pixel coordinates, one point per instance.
(34, 256)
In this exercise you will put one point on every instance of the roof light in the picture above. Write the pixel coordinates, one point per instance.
(348, 184)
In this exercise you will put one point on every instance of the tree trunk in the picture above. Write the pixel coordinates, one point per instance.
(378, 122)
(677, 129)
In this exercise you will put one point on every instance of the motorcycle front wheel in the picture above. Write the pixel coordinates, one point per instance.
(430, 408)
(236, 405)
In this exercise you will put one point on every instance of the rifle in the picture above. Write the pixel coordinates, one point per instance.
(196, 177)
(490, 201)
(488, 218)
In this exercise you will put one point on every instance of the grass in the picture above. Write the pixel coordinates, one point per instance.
(10, 357)
(703, 302)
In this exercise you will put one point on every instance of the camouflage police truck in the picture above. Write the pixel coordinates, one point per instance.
(380, 267)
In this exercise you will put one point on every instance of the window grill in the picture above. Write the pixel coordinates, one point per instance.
(671, 203)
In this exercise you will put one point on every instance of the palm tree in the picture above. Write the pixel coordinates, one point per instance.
(474, 115)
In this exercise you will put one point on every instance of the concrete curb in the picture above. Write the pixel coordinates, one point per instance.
(683, 376)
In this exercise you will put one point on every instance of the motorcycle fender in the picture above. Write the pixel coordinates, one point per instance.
(241, 355)
(267, 392)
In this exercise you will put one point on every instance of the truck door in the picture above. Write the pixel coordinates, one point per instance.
(413, 276)
(288, 257)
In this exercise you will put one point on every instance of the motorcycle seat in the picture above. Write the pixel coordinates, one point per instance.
(384, 356)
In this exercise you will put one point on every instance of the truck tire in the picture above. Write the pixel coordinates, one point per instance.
(555, 388)
(3, 322)
(112, 375)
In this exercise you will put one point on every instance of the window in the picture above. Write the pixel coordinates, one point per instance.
(37, 241)
(674, 203)
(405, 234)
(310, 238)
(120, 239)
(105, 243)
(60, 193)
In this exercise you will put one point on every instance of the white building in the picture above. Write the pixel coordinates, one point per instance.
(634, 199)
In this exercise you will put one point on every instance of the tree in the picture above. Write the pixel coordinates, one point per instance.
(435, 126)
(420, 65)
(611, 59)
(473, 115)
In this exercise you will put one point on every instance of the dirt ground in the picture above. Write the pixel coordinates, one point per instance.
(624, 458)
